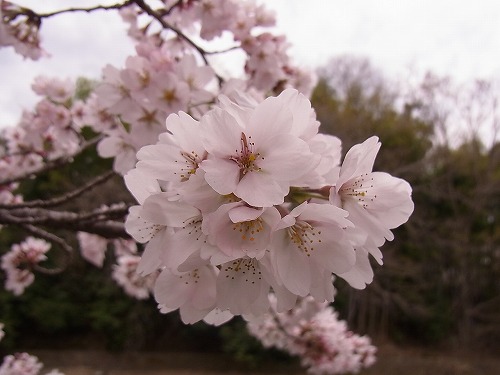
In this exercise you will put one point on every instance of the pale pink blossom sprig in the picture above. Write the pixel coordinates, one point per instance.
(268, 65)
(19, 262)
(23, 364)
(152, 85)
(313, 332)
(49, 133)
(19, 28)
(249, 199)
(20, 364)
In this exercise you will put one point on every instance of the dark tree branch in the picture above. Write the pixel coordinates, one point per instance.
(146, 8)
(101, 221)
(63, 198)
(88, 10)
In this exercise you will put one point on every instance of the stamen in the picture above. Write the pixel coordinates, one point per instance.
(246, 157)
(303, 235)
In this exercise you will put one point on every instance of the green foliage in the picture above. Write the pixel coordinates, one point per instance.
(84, 88)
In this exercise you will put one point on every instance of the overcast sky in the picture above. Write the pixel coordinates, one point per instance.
(456, 37)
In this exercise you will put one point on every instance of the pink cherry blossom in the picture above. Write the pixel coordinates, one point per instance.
(254, 156)
(192, 292)
(238, 230)
(309, 240)
(376, 201)
(313, 332)
(20, 364)
(19, 262)
(19, 31)
(179, 152)
(55, 89)
(125, 274)
(241, 287)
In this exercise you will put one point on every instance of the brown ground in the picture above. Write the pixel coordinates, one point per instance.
(391, 361)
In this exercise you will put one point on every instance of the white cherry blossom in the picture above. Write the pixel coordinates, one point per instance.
(376, 201)
(254, 157)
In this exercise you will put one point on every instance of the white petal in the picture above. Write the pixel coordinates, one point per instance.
(151, 257)
(222, 175)
(173, 290)
(159, 209)
(141, 185)
(292, 266)
(260, 189)
(361, 274)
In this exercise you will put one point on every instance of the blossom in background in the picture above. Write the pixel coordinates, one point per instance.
(126, 276)
(92, 248)
(19, 262)
(313, 332)
(23, 364)
(20, 364)
(20, 30)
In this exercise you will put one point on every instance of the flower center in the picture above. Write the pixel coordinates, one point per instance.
(246, 267)
(358, 189)
(246, 156)
(249, 229)
(190, 164)
(303, 236)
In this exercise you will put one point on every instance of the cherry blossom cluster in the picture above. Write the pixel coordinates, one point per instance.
(139, 98)
(93, 249)
(19, 262)
(49, 132)
(22, 363)
(268, 66)
(250, 199)
(19, 28)
(168, 74)
(313, 332)
(239, 196)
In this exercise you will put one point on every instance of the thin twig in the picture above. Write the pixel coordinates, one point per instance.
(63, 198)
(97, 222)
(146, 8)
(88, 10)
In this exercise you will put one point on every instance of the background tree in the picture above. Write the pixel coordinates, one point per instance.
(440, 277)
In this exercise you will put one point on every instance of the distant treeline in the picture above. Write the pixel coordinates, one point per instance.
(440, 282)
